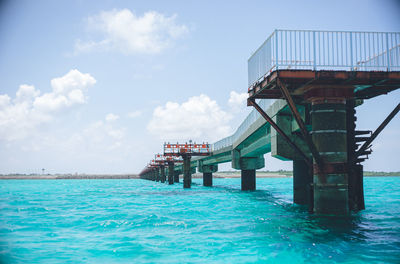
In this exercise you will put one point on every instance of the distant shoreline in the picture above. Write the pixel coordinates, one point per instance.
(216, 175)
(69, 177)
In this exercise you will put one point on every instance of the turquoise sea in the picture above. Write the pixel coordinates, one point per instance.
(138, 221)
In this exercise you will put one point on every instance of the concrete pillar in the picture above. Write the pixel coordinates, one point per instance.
(156, 175)
(355, 176)
(163, 178)
(170, 173)
(356, 188)
(248, 167)
(207, 171)
(176, 176)
(207, 179)
(187, 174)
(329, 135)
(302, 178)
(248, 178)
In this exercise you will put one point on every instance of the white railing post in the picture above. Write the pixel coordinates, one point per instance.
(387, 51)
(276, 49)
(351, 51)
(354, 53)
(315, 52)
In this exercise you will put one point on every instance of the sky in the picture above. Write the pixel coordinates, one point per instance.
(99, 86)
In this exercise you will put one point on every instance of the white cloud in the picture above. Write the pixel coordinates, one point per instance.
(135, 114)
(98, 147)
(199, 118)
(94, 139)
(100, 132)
(72, 81)
(237, 101)
(87, 46)
(26, 93)
(126, 32)
(67, 90)
(29, 109)
(111, 117)
(4, 101)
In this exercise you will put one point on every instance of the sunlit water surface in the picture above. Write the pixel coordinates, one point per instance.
(138, 221)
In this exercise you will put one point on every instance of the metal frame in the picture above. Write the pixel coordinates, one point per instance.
(280, 131)
(160, 158)
(377, 131)
(302, 126)
(325, 50)
(191, 149)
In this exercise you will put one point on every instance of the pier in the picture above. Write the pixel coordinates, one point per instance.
(317, 78)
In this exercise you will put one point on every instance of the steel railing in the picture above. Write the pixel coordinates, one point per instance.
(325, 50)
(317, 50)
(248, 121)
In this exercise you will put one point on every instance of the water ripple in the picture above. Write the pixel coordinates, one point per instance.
(136, 221)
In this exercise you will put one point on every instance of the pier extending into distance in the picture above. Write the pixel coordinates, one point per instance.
(317, 79)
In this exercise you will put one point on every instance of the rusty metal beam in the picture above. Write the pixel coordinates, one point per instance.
(252, 102)
(268, 94)
(377, 131)
(301, 124)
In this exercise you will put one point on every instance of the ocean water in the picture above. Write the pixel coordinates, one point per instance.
(138, 221)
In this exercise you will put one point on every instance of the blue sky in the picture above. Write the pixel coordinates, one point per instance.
(98, 86)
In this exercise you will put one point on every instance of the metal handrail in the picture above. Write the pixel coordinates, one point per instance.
(325, 50)
(317, 50)
(247, 122)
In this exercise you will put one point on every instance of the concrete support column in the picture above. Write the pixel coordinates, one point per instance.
(163, 178)
(187, 174)
(329, 135)
(355, 177)
(302, 179)
(207, 179)
(156, 175)
(356, 188)
(207, 171)
(176, 176)
(248, 167)
(248, 178)
(170, 173)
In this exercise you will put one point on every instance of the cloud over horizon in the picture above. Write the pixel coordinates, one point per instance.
(199, 118)
(29, 109)
(124, 31)
(237, 101)
(111, 117)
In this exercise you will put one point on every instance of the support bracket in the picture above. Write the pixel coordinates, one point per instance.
(252, 102)
(377, 131)
(301, 124)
